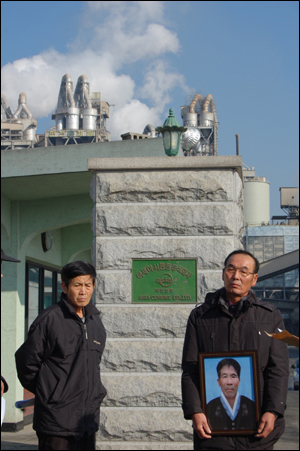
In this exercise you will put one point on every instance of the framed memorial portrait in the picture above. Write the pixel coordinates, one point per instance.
(229, 390)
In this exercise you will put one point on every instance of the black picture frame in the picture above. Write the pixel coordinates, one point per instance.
(243, 416)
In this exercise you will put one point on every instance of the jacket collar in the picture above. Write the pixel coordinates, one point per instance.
(214, 297)
(212, 300)
(89, 309)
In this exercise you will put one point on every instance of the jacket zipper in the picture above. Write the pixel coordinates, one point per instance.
(85, 330)
(213, 338)
(87, 371)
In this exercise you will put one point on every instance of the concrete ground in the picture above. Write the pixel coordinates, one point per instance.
(290, 439)
(24, 439)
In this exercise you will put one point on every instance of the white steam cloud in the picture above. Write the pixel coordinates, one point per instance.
(120, 34)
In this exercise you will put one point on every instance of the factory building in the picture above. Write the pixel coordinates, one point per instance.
(269, 243)
(200, 118)
(18, 129)
(80, 116)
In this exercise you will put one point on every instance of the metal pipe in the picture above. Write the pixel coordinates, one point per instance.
(196, 98)
(66, 93)
(149, 129)
(209, 101)
(237, 144)
(6, 107)
(81, 95)
(22, 107)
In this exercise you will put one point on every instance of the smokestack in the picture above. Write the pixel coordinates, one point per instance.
(237, 144)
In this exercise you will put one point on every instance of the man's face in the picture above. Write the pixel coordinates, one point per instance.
(79, 291)
(229, 381)
(236, 284)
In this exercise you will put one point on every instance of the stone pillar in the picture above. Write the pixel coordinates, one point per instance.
(155, 208)
(12, 318)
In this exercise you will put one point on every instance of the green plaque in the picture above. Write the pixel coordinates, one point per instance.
(173, 280)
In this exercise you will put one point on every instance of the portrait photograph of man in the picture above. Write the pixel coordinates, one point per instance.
(229, 393)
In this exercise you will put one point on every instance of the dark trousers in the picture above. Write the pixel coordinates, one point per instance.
(66, 443)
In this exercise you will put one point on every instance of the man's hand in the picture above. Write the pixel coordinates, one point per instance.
(266, 425)
(201, 426)
(2, 388)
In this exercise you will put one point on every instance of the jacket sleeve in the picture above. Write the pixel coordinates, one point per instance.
(29, 357)
(190, 382)
(276, 373)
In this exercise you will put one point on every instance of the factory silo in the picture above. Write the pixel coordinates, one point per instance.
(89, 119)
(72, 119)
(256, 201)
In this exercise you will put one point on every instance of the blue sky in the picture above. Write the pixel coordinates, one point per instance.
(146, 57)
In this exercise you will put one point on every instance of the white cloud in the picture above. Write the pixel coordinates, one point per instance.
(130, 47)
(130, 31)
(158, 82)
(39, 77)
(120, 33)
(132, 117)
(138, 12)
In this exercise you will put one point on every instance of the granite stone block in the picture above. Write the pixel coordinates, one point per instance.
(160, 220)
(113, 287)
(145, 321)
(155, 355)
(164, 186)
(117, 253)
(149, 425)
(147, 390)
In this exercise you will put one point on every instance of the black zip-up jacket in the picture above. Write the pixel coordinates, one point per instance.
(59, 363)
(211, 328)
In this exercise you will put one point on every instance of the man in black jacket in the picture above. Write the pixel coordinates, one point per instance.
(59, 363)
(233, 319)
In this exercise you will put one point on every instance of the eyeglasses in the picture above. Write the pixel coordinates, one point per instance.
(232, 269)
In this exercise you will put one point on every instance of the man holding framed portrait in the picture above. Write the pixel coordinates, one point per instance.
(231, 325)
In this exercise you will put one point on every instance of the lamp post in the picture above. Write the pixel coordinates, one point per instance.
(171, 132)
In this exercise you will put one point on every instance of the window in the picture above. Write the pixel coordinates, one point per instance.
(42, 290)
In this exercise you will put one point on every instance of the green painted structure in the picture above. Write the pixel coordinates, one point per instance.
(46, 189)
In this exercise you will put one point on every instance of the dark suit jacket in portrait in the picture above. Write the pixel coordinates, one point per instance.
(219, 420)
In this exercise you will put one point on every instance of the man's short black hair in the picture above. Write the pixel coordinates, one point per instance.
(75, 269)
(241, 251)
(229, 362)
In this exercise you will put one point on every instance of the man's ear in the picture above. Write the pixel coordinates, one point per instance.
(64, 287)
(254, 280)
